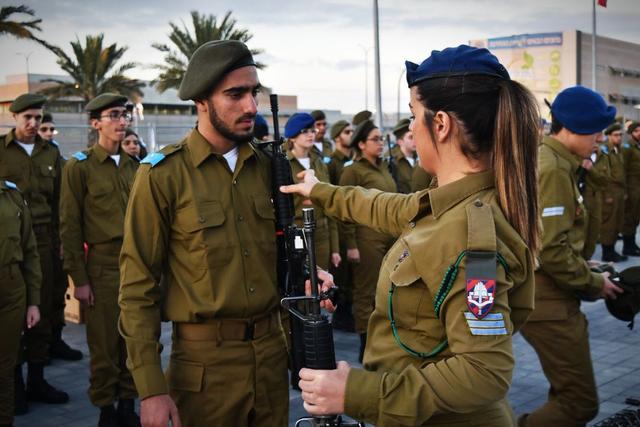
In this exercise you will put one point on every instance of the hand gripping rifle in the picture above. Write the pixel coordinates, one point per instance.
(310, 331)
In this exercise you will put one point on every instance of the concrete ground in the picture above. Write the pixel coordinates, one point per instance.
(615, 351)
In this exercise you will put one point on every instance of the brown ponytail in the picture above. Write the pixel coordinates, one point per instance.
(499, 118)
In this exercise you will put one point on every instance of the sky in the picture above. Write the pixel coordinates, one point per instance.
(314, 49)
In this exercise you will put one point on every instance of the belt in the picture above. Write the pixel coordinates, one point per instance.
(228, 329)
(107, 247)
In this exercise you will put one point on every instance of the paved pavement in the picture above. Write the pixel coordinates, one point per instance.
(615, 350)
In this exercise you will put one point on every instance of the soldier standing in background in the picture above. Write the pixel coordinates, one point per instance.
(95, 191)
(321, 145)
(20, 280)
(34, 166)
(613, 196)
(366, 246)
(632, 204)
(405, 156)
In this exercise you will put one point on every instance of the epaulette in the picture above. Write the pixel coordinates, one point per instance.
(326, 160)
(154, 159)
(604, 149)
(349, 163)
(11, 185)
(626, 145)
(80, 156)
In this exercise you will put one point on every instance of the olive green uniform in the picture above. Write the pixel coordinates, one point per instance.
(95, 192)
(327, 149)
(209, 233)
(595, 182)
(404, 171)
(370, 242)
(420, 179)
(326, 229)
(20, 280)
(465, 383)
(557, 329)
(613, 196)
(632, 173)
(38, 178)
(337, 162)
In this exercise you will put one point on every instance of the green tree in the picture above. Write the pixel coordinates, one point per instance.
(93, 70)
(20, 29)
(185, 42)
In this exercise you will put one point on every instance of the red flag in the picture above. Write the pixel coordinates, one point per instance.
(602, 3)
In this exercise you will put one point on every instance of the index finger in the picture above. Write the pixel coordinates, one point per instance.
(307, 374)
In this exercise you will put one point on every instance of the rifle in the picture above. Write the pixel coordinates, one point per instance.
(393, 170)
(310, 332)
(582, 179)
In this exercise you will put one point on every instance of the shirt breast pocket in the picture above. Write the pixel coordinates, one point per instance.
(10, 248)
(410, 291)
(102, 196)
(204, 225)
(47, 177)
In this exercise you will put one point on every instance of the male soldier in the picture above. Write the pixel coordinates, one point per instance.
(420, 179)
(58, 348)
(404, 156)
(95, 189)
(596, 177)
(557, 329)
(20, 280)
(321, 145)
(613, 196)
(360, 117)
(632, 206)
(201, 218)
(340, 132)
(34, 165)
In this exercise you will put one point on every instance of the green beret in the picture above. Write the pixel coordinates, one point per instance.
(632, 127)
(210, 63)
(337, 128)
(318, 115)
(27, 101)
(104, 101)
(612, 128)
(401, 128)
(626, 306)
(361, 132)
(361, 117)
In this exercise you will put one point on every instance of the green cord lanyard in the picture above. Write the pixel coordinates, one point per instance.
(445, 287)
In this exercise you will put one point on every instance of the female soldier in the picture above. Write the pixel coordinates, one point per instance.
(458, 282)
(366, 246)
(300, 132)
(131, 144)
(20, 278)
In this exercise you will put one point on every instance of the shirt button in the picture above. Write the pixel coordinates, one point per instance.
(201, 219)
(478, 203)
(246, 252)
(235, 181)
(252, 290)
(240, 218)
(412, 224)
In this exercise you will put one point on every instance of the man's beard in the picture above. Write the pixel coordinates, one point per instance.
(224, 130)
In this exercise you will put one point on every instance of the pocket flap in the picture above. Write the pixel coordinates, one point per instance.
(186, 376)
(99, 188)
(264, 207)
(404, 273)
(206, 214)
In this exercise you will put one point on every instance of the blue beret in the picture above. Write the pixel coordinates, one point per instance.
(260, 127)
(582, 110)
(297, 123)
(456, 61)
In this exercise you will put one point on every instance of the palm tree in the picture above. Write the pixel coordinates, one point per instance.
(205, 28)
(93, 71)
(20, 29)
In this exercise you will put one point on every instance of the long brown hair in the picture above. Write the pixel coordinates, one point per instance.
(498, 118)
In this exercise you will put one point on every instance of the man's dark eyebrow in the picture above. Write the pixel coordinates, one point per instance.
(242, 89)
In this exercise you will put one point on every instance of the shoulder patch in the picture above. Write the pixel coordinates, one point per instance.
(604, 149)
(80, 156)
(11, 185)
(153, 159)
(491, 324)
(326, 160)
(626, 145)
(349, 163)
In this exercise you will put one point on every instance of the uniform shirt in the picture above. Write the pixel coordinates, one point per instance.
(364, 174)
(37, 176)
(617, 174)
(420, 179)
(322, 173)
(327, 148)
(396, 388)
(404, 172)
(632, 162)
(338, 160)
(563, 225)
(94, 198)
(209, 233)
(17, 241)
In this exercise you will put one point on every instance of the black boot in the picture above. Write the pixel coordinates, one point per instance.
(39, 390)
(127, 416)
(363, 344)
(108, 417)
(21, 406)
(61, 350)
(609, 254)
(630, 247)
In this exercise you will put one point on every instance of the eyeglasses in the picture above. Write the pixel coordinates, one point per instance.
(115, 116)
(47, 129)
(375, 139)
(308, 130)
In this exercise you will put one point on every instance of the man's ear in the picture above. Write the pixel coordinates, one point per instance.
(202, 106)
(95, 123)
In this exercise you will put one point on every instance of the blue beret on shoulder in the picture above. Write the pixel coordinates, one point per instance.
(582, 110)
(463, 60)
(297, 123)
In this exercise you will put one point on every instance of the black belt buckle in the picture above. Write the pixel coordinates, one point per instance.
(250, 331)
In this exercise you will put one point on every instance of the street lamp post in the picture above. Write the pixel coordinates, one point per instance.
(366, 75)
(376, 39)
(26, 58)
(399, 82)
